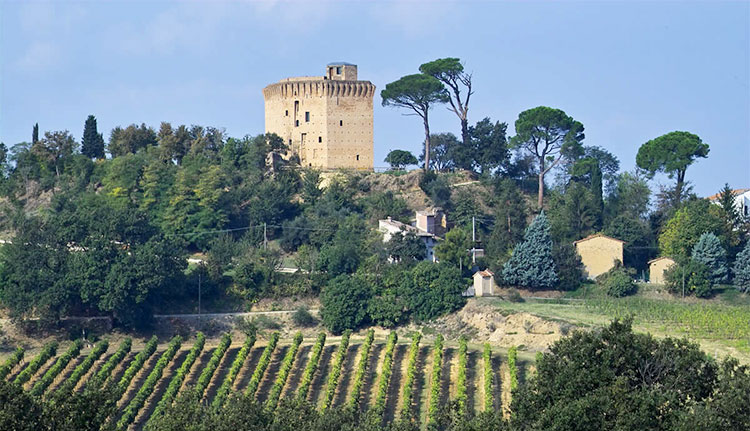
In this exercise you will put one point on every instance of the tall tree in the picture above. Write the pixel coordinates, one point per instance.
(35, 133)
(455, 248)
(446, 153)
(546, 133)
(130, 139)
(418, 93)
(683, 230)
(92, 144)
(672, 154)
(531, 264)
(741, 270)
(451, 72)
(709, 252)
(54, 148)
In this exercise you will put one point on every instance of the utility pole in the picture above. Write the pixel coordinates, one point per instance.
(265, 236)
(473, 241)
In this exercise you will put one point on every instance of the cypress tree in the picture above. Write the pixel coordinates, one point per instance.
(92, 142)
(709, 252)
(531, 264)
(742, 270)
(35, 133)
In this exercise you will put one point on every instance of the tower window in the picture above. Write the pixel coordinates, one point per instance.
(341, 122)
(320, 139)
(286, 113)
(307, 116)
(296, 123)
(357, 156)
(338, 70)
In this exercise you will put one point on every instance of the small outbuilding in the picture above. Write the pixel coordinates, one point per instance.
(656, 269)
(484, 283)
(599, 253)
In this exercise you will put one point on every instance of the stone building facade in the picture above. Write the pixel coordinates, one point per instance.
(599, 253)
(657, 267)
(327, 121)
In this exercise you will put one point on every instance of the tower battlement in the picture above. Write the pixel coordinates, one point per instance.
(326, 120)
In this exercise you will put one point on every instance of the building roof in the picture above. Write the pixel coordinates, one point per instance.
(340, 63)
(735, 192)
(660, 258)
(598, 235)
(406, 227)
(485, 273)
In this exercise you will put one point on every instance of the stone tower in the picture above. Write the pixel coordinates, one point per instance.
(325, 120)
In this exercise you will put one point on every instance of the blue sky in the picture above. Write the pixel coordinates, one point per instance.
(629, 71)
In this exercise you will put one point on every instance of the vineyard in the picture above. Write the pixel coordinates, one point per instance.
(409, 378)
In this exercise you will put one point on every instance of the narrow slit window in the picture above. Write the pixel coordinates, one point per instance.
(341, 122)
(320, 139)
(286, 113)
(357, 157)
(307, 116)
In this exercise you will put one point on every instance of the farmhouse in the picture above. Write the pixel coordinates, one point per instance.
(741, 201)
(599, 253)
(327, 121)
(428, 224)
(657, 267)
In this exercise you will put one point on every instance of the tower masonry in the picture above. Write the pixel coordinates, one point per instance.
(327, 121)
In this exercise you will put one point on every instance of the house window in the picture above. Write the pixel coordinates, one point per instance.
(307, 116)
(320, 139)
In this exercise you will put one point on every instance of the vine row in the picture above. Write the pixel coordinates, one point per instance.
(226, 386)
(263, 362)
(333, 377)
(311, 367)
(119, 355)
(286, 366)
(361, 370)
(411, 372)
(47, 352)
(82, 368)
(213, 363)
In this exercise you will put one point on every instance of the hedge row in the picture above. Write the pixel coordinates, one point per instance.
(176, 383)
(437, 369)
(361, 370)
(512, 356)
(335, 373)
(286, 366)
(265, 359)
(147, 388)
(104, 372)
(461, 379)
(136, 365)
(489, 399)
(213, 364)
(41, 385)
(11, 362)
(385, 375)
(82, 368)
(47, 352)
(312, 365)
(411, 373)
(226, 386)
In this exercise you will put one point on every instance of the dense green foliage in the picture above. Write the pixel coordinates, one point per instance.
(82, 368)
(136, 365)
(384, 379)
(286, 367)
(461, 397)
(709, 252)
(399, 159)
(489, 396)
(513, 367)
(741, 270)
(531, 264)
(435, 376)
(359, 376)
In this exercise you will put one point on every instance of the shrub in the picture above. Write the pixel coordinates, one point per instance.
(361, 370)
(136, 365)
(47, 352)
(513, 367)
(265, 359)
(437, 362)
(286, 366)
(135, 405)
(213, 364)
(335, 373)
(82, 368)
(174, 385)
(264, 321)
(618, 284)
(312, 365)
(343, 303)
(302, 317)
(226, 386)
(111, 363)
(689, 277)
(11, 362)
(411, 371)
(385, 375)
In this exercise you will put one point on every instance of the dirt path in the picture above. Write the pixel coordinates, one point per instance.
(295, 374)
(246, 372)
(421, 385)
(317, 386)
(505, 388)
(159, 389)
(375, 362)
(473, 381)
(497, 388)
(446, 375)
(393, 399)
(348, 368)
(273, 369)
(221, 373)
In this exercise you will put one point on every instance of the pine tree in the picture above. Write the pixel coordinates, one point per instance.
(742, 270)
(709, 252)
(531, 264)
(93, 141)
